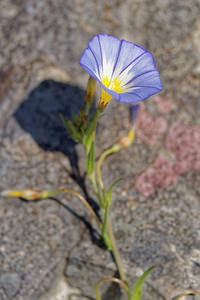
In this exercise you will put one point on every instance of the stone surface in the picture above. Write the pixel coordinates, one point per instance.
(60, 290)
(40, 78)
(10, 282)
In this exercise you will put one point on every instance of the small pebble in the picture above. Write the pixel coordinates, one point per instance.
(29, 9)
(10, 282)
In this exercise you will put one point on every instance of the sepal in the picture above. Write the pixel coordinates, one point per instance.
(89, 93)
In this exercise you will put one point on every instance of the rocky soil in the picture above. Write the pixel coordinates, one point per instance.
(47, 246)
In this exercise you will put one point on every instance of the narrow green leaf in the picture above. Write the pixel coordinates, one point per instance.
(88, 136)
(107, 242)
(74, 116)
(68, 125)
(109, 192)
(103, 231)
(71, 129)
(137, 291)
(90, 160)
(63, 119)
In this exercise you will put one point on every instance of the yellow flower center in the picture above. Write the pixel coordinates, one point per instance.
(114, 85)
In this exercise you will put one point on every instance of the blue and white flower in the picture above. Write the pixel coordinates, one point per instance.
(126, 72)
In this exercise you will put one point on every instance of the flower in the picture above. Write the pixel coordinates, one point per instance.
(125, 71)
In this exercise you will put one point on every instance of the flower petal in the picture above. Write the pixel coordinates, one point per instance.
(125, 71)
(145, 80)
(128, 55)
(88, 63)
(129, 98)
(144, 86)
(144, 63)
(110, 47)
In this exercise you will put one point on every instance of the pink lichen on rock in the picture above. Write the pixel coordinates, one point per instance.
(184, 141)
(164, 105)
(149, 129)
(160, 174)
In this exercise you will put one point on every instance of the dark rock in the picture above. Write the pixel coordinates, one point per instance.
(10, 282)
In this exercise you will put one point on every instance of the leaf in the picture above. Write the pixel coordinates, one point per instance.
(90, 160)
(88, 136)
(71, 129)
(63, 119)
(74, 116)
(107, 242)
(109, 192)
(137, 291)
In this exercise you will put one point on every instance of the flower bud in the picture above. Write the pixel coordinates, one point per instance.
(28, 194)
(90, 92)
(127, 140)
(133, 113)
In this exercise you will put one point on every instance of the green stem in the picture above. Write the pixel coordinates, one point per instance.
(94, 182)
(110, 239)
(99, 163)
(105, 222)
(115, 251)
(92, 175)
(106, 225)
